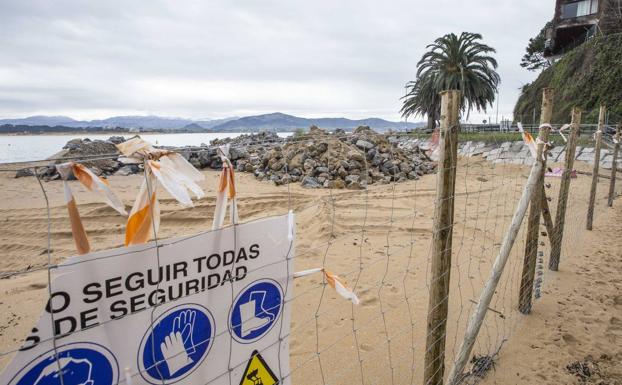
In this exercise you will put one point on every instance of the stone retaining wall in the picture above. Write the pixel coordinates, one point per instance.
(518, 153)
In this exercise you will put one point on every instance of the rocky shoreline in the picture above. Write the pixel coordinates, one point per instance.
(316, 159)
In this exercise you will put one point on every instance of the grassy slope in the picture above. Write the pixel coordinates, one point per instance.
(587, 76)
(497, 137)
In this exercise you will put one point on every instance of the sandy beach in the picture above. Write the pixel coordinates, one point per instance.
(378, 240)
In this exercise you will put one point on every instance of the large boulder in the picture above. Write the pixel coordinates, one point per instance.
(355, 155)
(310, 182)
(128, 170)
(364, 145)
(236, 153)
(24, 172)
(86, 148)
(336, 184)
(296, 161)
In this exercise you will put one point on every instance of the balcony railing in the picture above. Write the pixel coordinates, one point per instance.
(579, 8)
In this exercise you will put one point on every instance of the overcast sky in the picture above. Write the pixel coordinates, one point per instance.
(213, 58)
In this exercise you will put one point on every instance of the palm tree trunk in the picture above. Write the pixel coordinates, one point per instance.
(431, 122)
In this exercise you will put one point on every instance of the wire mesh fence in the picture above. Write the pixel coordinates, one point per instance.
(378, 239)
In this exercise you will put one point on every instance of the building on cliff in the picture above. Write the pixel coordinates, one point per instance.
(577, 21)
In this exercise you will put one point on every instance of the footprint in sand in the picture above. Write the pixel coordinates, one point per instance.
(366, 347)
(369, 301)
(569, 339)
(615, 326)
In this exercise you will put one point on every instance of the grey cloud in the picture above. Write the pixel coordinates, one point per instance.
(352, 57)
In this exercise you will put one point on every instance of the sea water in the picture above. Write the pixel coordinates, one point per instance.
(23, 148)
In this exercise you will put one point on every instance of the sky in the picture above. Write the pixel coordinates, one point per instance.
(213, 59)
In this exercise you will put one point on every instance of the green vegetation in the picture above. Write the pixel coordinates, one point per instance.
(589, 75)
(487, 137)
(299, 132)
(534, 53)
(500, 137)
(453, 63)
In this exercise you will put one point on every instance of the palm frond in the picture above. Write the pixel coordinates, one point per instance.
(456, 62)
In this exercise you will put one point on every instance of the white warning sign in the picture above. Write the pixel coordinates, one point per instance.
(187, 309)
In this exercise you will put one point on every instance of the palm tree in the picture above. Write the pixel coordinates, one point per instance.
(422, 99)
(453, 63)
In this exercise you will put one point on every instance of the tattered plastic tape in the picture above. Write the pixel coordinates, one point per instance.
(528, 139)
(290, 225)
(334, 281)
(561, 132)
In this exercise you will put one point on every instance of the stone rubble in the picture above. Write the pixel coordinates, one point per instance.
(335, 160)
(316, 159)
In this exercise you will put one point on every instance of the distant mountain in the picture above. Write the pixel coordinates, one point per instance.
(41, 121)
(274, 122)
(283, 122)
(213, 122)
(193, 127)
(150, 122)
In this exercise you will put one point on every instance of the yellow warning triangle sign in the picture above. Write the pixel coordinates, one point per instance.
(257, 372)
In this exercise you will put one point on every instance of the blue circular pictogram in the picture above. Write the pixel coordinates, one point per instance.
(80, 363)
(176, 344)
(255, 310)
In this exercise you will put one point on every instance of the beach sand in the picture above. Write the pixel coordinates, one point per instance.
(378, 240)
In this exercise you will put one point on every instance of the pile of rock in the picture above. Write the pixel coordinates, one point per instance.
(86, 148)
(205, 156)
(321, 159)
(263, 137)
(100, 156)
(316, 159)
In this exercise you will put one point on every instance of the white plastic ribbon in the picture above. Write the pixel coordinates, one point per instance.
(144, 219)
(175, 174)
(434, 148)
(97, 184)
(561, 132)
(77, 228)
(93, 183)
(226, 192)
(291, 225)
(528, 139)
(333, 281)
(178, 177)
(128, 376)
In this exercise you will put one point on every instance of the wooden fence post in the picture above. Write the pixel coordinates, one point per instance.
(476, 320)
(442, 239)
(614, 166)
(546, 214)
(599, 138)
(533, 222)
(562, 202)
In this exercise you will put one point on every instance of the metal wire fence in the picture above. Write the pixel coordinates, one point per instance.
(378, 239)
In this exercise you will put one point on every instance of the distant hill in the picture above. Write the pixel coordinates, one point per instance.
(150, 122)
(283, 122)
(41, 121)
(274, 122)
(145, 122)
